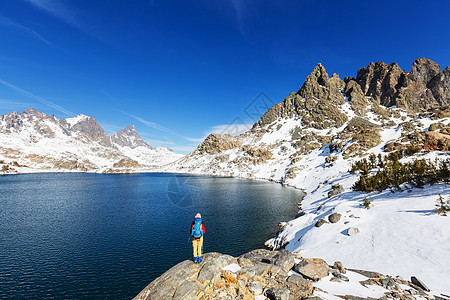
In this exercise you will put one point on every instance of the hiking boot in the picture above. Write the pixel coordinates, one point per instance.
(196, 259)
(199, 259)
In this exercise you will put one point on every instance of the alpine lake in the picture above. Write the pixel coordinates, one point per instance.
(97, 236)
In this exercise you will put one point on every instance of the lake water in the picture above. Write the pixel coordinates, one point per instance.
(77, 236)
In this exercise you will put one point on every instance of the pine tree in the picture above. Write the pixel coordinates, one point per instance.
(442, 206)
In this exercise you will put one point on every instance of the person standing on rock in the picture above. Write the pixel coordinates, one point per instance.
(197, 231)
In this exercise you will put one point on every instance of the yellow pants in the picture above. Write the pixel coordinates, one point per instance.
(197, 244)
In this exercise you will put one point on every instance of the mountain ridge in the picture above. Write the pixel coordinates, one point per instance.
(43, 142)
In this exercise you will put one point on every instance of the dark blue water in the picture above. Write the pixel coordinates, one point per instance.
(108, 236)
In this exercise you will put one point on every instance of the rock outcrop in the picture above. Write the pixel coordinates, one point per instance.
(317, 101)
(219, 276)
(215, 143)
(424, 88)
(269, 275)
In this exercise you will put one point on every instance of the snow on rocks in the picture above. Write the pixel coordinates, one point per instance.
(41, 143)
(263, 274)
(352, 231)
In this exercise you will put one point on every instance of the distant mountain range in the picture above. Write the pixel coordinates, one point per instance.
(33, 141)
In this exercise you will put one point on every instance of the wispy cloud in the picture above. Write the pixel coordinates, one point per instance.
(13, 105)
(57, 9)
(60, 10)
(11, 24)
(109, 128)
(150, 124)
(184, 149)
(108, 95)
(238, 10)
(194, 140)
(231, 129)
(37, 98)
(160, 142)
(238, 6)
(162, 128)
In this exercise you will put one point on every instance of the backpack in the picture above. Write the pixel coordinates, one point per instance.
(197, 231)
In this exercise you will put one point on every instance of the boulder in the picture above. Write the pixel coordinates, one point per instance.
(352, 231)
(340, 276)
(298, 280)
(416, 281)
(259, 269)
(334, 217)
(368, 274)
(313, 268)
(278, 294)
(284, 259)
(388, 283)
(336, 189)
(259, 255)
(339, 266)
(321, 222)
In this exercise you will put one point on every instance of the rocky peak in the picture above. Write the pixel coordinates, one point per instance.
(424, 88)
(33, 112)
(316, 102)
(379, 81)
(129, 137)
(316, 83)
(89, 127)
(11, 122)
(424, 69)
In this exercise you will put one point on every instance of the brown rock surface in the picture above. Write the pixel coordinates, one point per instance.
(425, 87)
(216, 143)
(207, 280)
(313, 268)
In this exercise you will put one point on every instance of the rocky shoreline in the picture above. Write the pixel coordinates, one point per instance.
(265, 274)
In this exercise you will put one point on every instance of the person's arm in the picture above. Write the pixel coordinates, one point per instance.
(192, 227)
(203, 227)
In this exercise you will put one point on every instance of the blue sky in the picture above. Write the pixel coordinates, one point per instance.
(179, 70)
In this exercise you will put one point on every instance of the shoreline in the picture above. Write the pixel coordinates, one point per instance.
(263, 243)
(318, 206)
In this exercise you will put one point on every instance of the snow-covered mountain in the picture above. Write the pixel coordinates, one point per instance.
(33, 141)
(311, 140)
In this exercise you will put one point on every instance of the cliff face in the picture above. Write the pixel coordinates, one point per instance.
(424, 88)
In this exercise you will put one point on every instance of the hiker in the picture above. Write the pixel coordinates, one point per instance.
(197, 231)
